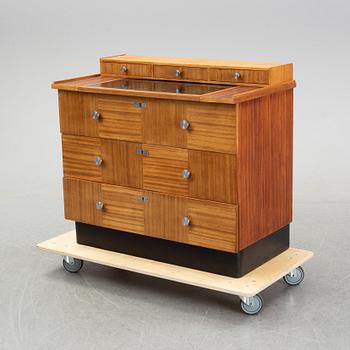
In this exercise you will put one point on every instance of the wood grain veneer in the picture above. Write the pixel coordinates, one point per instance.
(213, 176)
(79, 156)
(120, 119)
(120, 163)
(246, 76)
(75, 113)
(187, 73)
(162, 123)
(132, 70)
(212, 224)
(212, 127)
(265, 134)
(203, 70)
(121, 208)
(80, 199)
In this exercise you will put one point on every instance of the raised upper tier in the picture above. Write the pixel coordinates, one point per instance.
(197, 70)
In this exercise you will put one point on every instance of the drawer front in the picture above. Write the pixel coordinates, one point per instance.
(162, 123)
(121, 164)
(101, 160)
(80, 198)
(122, 208)
(127, 69)
(197, 174)
(180, 73)
(239, 75)
(201, 223)
(120, 118)
(211, 127)
(112, 117)
(104, 205)
(75, 110)
(199, 126)
(163, 169)
(213, 176)
(79, 157)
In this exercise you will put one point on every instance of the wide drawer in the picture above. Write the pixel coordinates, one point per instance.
(180, 73)
(200, 126)
(239, 75)
(202, 223)
(197, 174)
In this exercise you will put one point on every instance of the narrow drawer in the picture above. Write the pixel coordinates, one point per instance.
(180, 73)
(127, 69)
(202, 223)
(104, 205)
(239, 75)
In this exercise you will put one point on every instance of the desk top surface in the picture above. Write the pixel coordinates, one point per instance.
(197, 62)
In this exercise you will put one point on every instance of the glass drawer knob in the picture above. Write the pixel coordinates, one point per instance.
(98, 160)
(186, 174)
(124, 69)
(95, 115)
(184, 124)
(186, 221)
(99, 205)
(237, 76)
(178, 73)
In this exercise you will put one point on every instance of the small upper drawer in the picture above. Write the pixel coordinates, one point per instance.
(128, 69)
(180, 73)
(239, 75)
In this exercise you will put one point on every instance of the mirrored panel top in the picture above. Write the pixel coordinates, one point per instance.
(161, 86)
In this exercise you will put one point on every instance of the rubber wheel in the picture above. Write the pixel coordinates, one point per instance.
(75, 266)
(255, 306)
(296, 279)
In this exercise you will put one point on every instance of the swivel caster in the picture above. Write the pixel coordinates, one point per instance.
(251, 305)
(72, 264)
(294, 277)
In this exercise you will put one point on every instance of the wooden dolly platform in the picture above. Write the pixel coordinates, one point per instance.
(285, 265)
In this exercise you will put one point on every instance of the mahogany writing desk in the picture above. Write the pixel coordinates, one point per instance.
(183, 161)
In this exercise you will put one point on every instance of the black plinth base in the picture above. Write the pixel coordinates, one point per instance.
(211, 260)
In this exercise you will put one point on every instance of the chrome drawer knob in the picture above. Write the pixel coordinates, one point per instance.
(178, 73)
(237, 76)
(96, 115)
(186, 221)
(184, 124)
(186, 174)
(98, 160)
(99, 205)
(124, 69)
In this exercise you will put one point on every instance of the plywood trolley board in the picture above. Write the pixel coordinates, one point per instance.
(246, 287)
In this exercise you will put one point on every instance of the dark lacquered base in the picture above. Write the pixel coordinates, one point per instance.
(211, 260)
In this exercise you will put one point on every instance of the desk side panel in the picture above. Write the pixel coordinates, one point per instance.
(264, 161)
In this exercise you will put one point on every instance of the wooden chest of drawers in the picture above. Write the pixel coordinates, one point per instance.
(189, 158)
